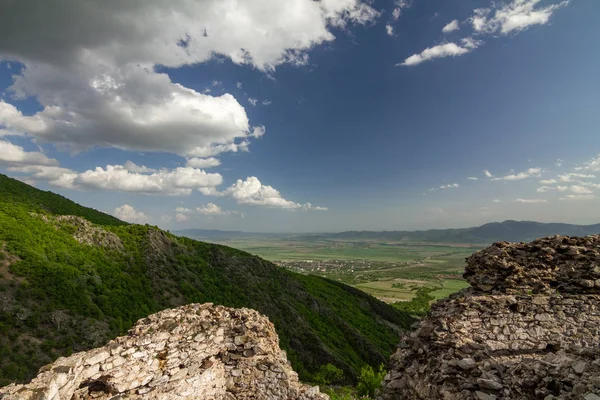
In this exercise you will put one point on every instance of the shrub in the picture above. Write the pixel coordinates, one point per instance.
(328, 374)
(369, 380)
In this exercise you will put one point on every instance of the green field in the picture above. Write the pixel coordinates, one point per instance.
(389, 271)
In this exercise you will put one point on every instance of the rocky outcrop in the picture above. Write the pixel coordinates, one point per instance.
(192, 352)
(528, 328)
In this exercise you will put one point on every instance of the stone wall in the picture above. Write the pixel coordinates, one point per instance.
(195, 351)
(529, 328)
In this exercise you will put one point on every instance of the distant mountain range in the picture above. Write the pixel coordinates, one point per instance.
(512, 231)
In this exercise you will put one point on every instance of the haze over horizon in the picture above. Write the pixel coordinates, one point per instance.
(304, 116)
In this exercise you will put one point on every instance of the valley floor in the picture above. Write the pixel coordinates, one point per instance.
(390, 271)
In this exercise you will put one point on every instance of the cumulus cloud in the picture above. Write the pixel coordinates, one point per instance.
(439, 51)
(531, 172)
(129, 214)
(181, 217)
(487, 173)
(251, 191)
(389, 29)
(514, 16)
(12, 154)
(179, 181)
(473, 178)
(451, 26)
(531, 201)
(132, 167)
(175, 182)
(211, 209)
(101, 86)
(196, 162)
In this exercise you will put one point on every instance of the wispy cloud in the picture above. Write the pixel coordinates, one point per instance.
(579, 197)
(439, 51)
(500, 18)
(389, 29)
(487, 173)
(473, 178)
(450, 186)
(530, 201)
(531, 172)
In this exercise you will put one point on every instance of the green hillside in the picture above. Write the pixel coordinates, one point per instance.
(68, 285)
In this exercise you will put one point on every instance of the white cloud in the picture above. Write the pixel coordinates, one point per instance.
(252, 101)
(487, 173)
(574, 176)
(514, 16)
(451, 27)
(531, 172)
(593, 165)
(399, 6)
(181, 217)
(12, 154)
(450, 185)
(267, 102)
(558, 162)
(496, 201)
(578, 189)
(251, 191)
(543, 189)
(177, 182)
(473, 178)
(101, 87)
(239, 85)
(132, 167)
(166, 218)
(548, 181)
(531, 201)
(183, 210)
(389, 29)
(503, 18)
(439, 51)
(211, 209)
(578, 197)
(129, 214)
(258, 131)
(197, 162)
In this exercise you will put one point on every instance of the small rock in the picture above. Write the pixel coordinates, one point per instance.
(489, 384)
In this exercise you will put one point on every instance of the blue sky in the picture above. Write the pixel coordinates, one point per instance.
(307, 116)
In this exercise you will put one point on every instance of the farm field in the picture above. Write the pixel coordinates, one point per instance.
(390, 271)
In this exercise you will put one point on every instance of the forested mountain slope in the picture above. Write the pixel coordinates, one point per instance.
(72, 283)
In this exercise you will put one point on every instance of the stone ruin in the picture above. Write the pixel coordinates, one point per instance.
(528, 328)
(191, 352)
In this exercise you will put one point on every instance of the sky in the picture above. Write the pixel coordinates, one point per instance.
(306, 116)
